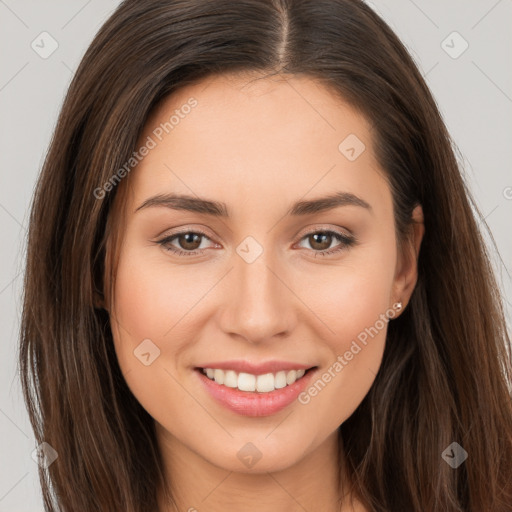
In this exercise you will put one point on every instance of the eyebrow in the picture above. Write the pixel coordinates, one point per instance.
(219, 209)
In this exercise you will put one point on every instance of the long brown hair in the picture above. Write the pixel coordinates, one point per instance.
(445, 376)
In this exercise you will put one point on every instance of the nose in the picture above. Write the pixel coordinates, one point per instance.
(259, 300)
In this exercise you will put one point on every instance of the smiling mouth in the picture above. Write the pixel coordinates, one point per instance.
(263, 383)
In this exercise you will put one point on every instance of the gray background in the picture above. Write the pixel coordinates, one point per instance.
(473, 91)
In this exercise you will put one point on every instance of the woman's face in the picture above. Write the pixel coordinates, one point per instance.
(266, 278)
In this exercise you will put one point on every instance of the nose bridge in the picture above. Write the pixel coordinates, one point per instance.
(258, 304)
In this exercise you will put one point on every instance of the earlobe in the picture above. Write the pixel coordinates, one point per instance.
(406, 275)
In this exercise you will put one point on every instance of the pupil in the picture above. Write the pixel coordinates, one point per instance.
(323, 244)
(190, 243)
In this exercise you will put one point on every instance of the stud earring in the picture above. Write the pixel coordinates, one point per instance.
(397, 306)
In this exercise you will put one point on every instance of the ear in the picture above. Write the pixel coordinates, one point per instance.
(406, 273)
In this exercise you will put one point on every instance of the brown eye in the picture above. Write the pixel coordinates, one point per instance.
(186, 243)
(320, 241)
(189, 241)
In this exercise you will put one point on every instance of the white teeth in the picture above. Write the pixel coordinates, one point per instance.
(291, 377)
(265, 383)
(230, 379)
(280, 380)
(248, 382)
(218, 375)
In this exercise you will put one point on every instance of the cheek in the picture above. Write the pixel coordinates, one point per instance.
(149, 300)
(150, 317)
(353, 302)
(349, 296)
(149, 306)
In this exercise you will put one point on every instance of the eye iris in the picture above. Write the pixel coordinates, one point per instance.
(323, 245)
(192, 241)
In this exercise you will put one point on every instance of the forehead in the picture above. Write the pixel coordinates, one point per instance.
(244, 135)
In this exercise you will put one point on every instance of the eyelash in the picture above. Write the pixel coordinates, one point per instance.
(346, 242)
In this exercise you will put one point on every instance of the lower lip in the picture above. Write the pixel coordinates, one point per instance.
(253, 403)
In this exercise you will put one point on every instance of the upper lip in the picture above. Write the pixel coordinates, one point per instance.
(256, 368)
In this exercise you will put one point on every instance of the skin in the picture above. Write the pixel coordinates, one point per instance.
(257, 146)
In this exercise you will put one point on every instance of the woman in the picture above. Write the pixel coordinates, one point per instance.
(254, 275)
